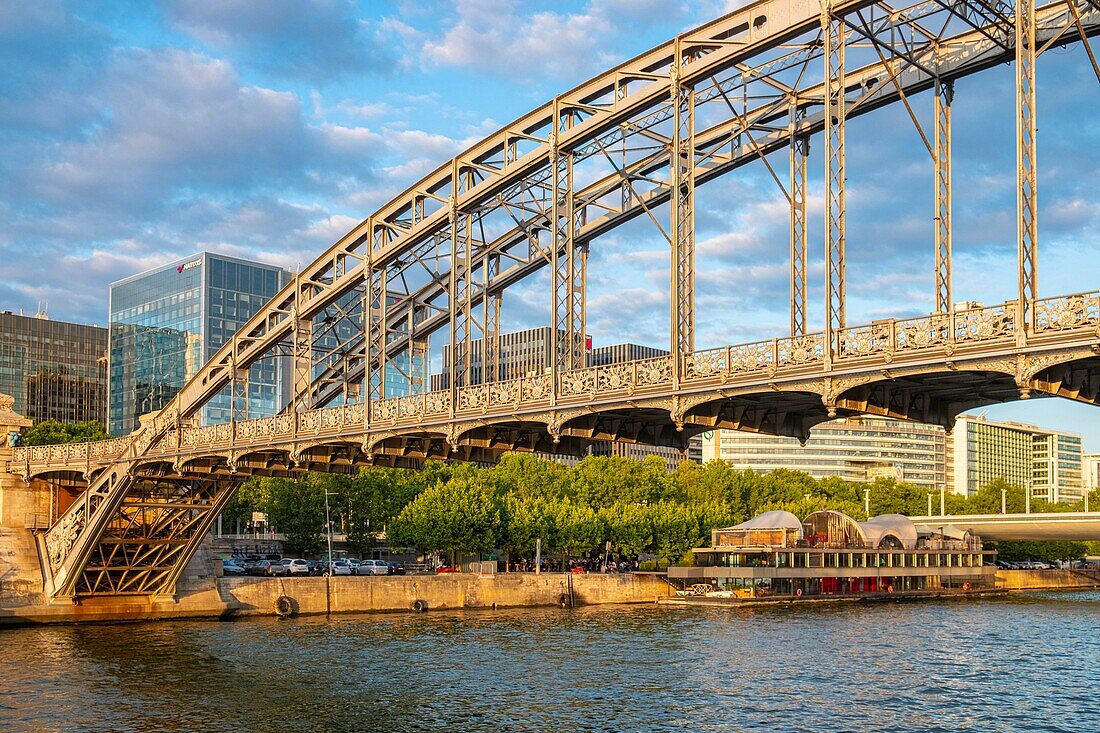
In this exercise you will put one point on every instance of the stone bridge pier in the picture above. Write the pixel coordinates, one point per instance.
(23, 508)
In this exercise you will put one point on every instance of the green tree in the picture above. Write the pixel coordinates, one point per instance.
(987, 499)
(294, 507)
(602, 480)
(527, 519)
(53, 432)
(889, 496)
(675, 530)
(527, 475)
(577, 528)
(1048, 551)
(627, 527)
(462, 514)
(371, 500)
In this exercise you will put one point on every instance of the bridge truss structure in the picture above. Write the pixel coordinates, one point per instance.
(755, 85)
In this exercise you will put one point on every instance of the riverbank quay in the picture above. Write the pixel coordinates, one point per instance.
(232, 597)
(225, 598)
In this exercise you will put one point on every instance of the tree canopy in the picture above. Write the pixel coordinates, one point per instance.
(54, 432)
(637, 506)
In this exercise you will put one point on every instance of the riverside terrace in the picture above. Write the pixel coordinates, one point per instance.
(831, 554)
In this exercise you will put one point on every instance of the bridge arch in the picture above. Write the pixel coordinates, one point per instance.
(438, 257)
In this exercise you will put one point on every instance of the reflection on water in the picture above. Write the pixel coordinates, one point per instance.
(1023, 663)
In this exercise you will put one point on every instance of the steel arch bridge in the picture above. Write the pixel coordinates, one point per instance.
(437, 259)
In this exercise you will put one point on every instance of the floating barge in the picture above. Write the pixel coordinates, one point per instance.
(775, 556)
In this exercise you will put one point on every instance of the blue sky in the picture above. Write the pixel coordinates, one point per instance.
(133, 133)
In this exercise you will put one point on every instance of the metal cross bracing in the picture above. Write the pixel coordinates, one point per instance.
(541, 191)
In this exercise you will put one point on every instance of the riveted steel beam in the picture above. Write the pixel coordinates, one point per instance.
(1027, 235)
(682, 230)
(944, 94)
(833, 34)
(799, 153)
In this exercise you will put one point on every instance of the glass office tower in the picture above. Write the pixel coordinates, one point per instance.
(54, 370)
(166, 323)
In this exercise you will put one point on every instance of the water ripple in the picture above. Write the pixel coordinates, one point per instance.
(1012, 664)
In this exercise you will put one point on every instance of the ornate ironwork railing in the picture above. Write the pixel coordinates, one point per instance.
(888, 339)
(1067, 312)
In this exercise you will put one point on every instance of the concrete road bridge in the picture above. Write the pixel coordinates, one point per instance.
(755, 85)
(1035, 526)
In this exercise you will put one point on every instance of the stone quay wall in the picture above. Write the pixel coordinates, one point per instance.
(450, 591)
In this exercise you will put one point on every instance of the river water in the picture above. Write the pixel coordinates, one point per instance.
(1025, 663)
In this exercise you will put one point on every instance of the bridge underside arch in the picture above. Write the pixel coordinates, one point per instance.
(786, 413)
(1077, 380)
(935, 398)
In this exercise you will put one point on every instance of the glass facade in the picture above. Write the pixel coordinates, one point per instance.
(54, 370)
(1023, 455)
(165, 323)
(855, 449)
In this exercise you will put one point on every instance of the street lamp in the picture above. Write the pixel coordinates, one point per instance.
(328, 533)
(867, 502)
(1004, 501)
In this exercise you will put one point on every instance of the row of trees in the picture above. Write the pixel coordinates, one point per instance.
(637, 506)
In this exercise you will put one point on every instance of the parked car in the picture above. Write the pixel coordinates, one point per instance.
(446, 569)
(315, 566)
(261, 567)
(231, 567)
(297, 566)
(338, 567)
(395, 568)
(373, 567)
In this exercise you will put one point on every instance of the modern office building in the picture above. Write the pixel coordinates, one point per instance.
(854, 449)
(1048, 461)
(1090, 471)
(527, 353)
(54, 370)
(165, 323)
(521, 354)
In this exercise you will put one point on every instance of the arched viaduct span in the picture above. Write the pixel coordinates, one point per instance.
(437, 259)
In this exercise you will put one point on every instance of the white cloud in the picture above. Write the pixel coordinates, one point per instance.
(499, 35)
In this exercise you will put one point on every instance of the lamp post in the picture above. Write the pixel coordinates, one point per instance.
(943, 500)
(867, 502)
(1004, 501)
(929, 504)
(1027, 499)
(328, 533)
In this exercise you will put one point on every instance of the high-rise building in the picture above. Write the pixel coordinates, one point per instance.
(1047, 461)
(54, 370)
(854, 449)
(528, 353)
(521, 354)
(165, 324)
(1090, 471)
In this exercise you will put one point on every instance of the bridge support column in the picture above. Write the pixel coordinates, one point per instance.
(1026, 191)
(374, 310)
(458, 366)
(682, 179)
(833, 32)
(945, 93)
(569, 262)
(303, 353)
(800, 153)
